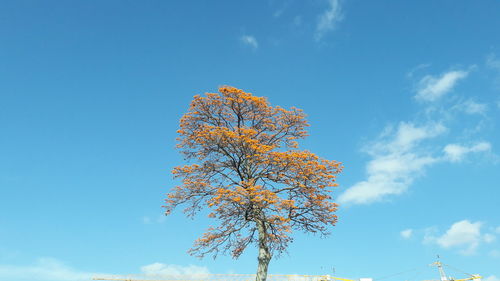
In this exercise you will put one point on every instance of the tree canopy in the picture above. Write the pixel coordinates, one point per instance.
(244, 165)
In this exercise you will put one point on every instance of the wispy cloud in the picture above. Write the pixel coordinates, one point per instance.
(488, 238)
(401, 154)
(250, 41)
(457, 152)
(416, 69)
(175, 272)
(406, 234)
(399, 157)
(50, 269)
(493, 63)
(329, 19)
(494, 254)
(397, 161)
(278, 13)
(279, 7)
(491, 278)
(297, 21)
(463, 235)
(472, 107)
(150, 220)
(44, 269)
(431, 88)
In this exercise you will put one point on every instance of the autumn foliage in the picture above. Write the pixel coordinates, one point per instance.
(245, 166)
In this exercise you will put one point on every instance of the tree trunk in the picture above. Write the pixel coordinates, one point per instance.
(264, 253)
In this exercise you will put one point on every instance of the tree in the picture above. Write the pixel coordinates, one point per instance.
(250, 174)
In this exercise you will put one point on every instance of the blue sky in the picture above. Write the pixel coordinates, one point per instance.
(405, 93)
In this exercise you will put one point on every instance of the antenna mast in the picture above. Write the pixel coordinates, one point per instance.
(441, 270)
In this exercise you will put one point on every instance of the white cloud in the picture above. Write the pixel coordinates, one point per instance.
(402, 154)
(497, 230)
(49, 269)
(250, 41)
(328, 20)
(409, 135)
(456, 152)
(461, 233)
(396, 162)
(464, 235)
(431, 88)
(406, 234)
